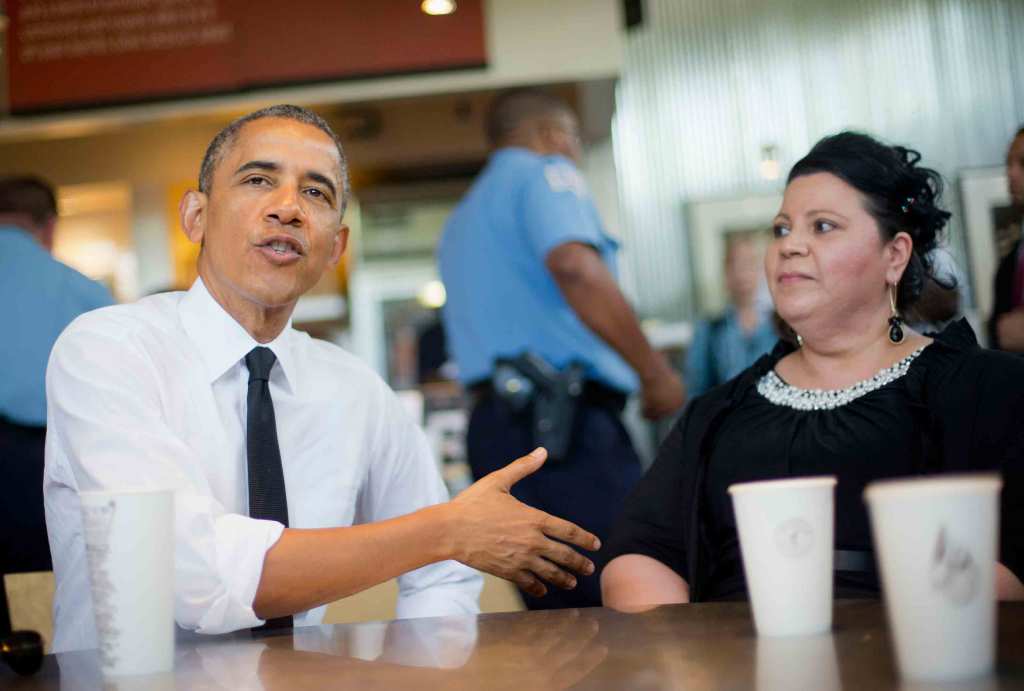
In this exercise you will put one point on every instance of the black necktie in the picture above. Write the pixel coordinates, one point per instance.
(267, 497)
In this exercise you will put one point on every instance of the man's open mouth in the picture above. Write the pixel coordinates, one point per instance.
(284, 246)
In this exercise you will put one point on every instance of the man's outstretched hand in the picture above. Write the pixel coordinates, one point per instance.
(493, 531)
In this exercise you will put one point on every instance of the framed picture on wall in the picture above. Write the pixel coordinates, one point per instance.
(991, 230)
(709, 223)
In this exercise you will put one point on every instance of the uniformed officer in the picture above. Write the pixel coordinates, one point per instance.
(530, 271)
(41, 297)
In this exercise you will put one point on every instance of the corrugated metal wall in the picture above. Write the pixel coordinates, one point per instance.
(708, 83)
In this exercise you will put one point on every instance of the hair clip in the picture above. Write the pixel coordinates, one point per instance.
(908, 204)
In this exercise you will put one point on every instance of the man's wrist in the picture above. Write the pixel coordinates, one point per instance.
(653, 371)
(442, 532)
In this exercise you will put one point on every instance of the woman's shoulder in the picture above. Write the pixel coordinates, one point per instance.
(955, 362)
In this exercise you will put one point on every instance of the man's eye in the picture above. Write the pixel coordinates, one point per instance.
(257, 180)
(779, 230)
(314, 192)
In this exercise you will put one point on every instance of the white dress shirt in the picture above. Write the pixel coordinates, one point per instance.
(153, 395)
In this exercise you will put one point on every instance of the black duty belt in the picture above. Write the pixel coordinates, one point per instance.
(594, 393)
(14, 430)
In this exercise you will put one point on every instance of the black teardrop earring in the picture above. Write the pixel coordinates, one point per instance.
(895, 322)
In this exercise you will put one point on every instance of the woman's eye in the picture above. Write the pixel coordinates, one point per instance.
(779, 230)
(824, 226)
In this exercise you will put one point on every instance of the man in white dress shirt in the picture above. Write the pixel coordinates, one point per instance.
(154, 394)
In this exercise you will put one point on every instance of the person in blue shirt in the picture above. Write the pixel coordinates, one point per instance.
(726, 345)
(530, 269)
(41, 296)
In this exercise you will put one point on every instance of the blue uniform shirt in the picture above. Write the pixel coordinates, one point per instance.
(502, 300)
(720, 350)
(40, 296)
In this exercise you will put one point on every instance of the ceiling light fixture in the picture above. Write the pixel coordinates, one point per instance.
(769, 167)
(437, 7)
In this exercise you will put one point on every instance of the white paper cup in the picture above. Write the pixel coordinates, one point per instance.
(129, 543)
(937, 540)
(785, 529)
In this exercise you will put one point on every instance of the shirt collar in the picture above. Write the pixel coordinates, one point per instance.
(223, 342)
(18, 234)
(509, 152)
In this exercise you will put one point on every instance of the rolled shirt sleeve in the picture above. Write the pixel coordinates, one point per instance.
(108, 432)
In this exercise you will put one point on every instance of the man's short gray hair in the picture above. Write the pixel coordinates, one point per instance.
(226, 137)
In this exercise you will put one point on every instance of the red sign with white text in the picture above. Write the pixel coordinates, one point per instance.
(68, 53)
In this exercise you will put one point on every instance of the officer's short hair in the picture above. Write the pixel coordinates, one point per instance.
(511, 109)
(28, 195)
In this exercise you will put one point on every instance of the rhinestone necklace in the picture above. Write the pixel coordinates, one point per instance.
(780, 393)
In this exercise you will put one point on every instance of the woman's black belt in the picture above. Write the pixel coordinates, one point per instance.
(853, 560)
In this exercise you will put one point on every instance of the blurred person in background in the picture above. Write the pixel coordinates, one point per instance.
(942, 297)
(542, 335)
(858, 395)
(1006, 326)
(41, 296)
(725, 346)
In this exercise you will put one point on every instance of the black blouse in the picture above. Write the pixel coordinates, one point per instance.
(907, 422)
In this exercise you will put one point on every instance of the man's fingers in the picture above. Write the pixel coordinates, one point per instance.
(567, 557)
(520, 468)
(551, 573)
(563, 530)
(529, 583)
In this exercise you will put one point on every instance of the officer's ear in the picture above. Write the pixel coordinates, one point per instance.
(546, 133)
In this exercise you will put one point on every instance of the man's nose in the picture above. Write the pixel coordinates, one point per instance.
(285, 208)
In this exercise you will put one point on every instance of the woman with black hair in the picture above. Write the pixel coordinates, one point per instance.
(855, 393)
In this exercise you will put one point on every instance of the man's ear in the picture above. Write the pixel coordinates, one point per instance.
(192, 211)
(47, 231)
(546, 136)
(340, 243)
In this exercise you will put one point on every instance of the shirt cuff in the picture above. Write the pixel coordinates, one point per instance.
(242, 544)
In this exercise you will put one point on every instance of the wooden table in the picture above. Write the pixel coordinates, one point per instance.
(707, 646)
